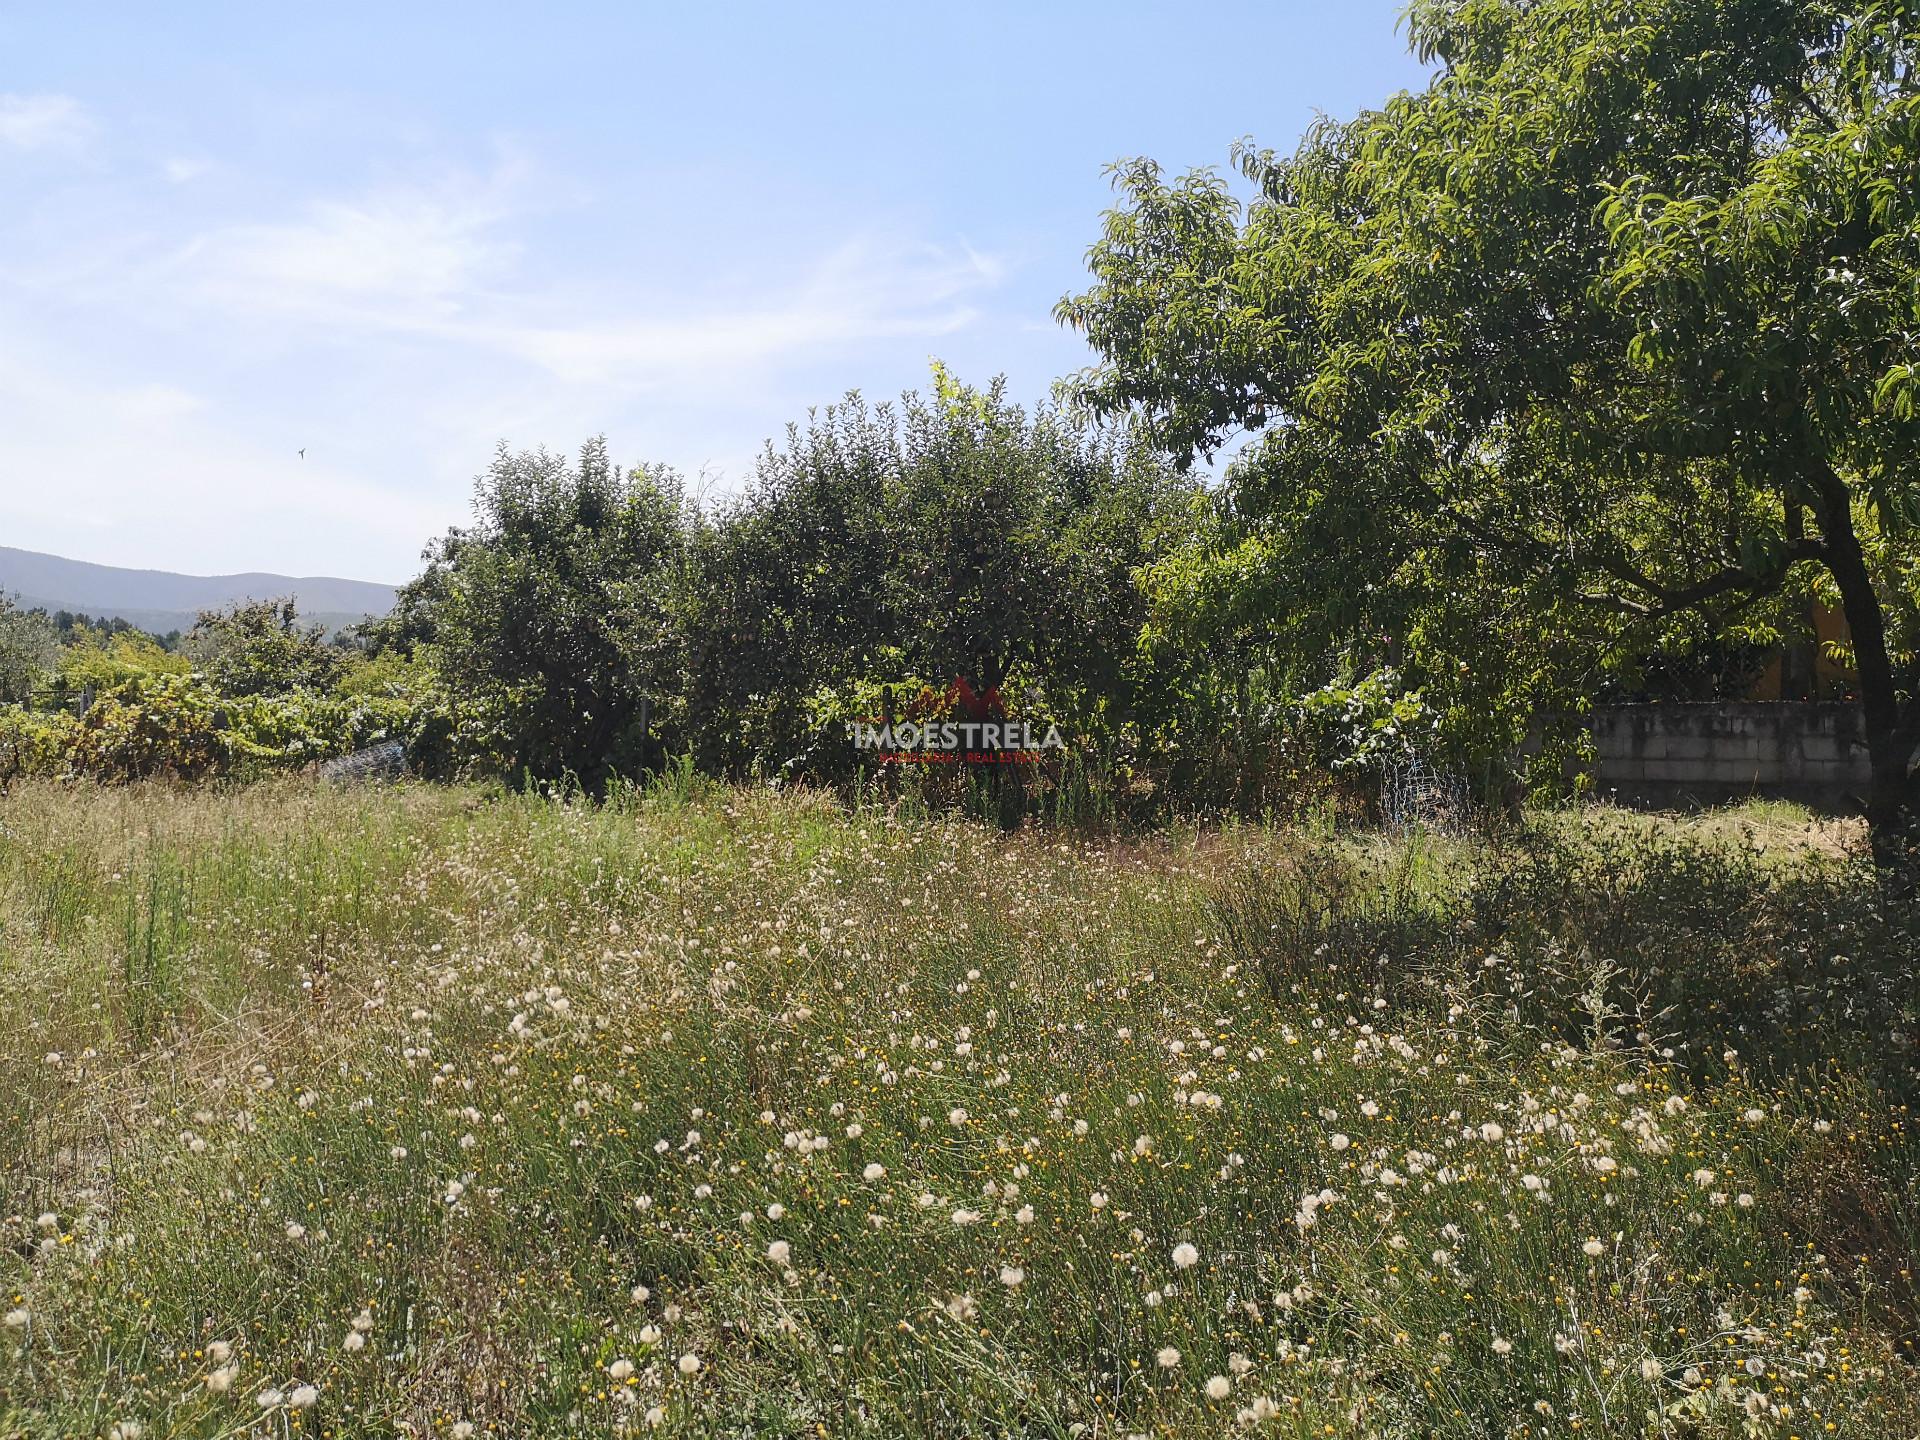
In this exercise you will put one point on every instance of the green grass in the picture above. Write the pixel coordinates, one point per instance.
(496, 1112)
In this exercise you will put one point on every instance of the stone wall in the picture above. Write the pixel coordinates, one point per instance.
(1673, 754)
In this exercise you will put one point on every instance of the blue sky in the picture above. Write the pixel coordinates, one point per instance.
(395, 234)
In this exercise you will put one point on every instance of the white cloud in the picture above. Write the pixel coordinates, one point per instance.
(166, 361)
(394, 260)
(43, 122)
(867, 289)
(438, 263)
(180, 169)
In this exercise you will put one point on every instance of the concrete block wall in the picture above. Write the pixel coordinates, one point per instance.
(1706, 753)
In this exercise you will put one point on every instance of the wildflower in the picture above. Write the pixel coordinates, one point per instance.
(776, 1211)
(221, 1380)
(1098, 1199)
(620, 1370)
(17, 1319)
(1219, 1387)
(1340, 1142)
(1651, 1369)
(354, 1341)
(956, 1117)
(268, 1398)
(1185, 1256)
(1502, 1347)
(1167, 1358)
(1011, 1276)
(689, 1363)
(219, 1351)
(1024, 1215)
(965, 1217)
(639, 1294)
(1492, 1132)
(303, 1398)
(779, 1252)
(1594, 1248)
(874, 1171)
(462, 1430)
(1755, 1366)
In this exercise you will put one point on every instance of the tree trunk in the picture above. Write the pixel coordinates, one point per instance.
(1890, 740)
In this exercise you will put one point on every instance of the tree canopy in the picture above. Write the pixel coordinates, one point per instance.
(1605, 341)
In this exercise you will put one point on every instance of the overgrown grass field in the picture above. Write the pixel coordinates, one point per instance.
(428, 1112)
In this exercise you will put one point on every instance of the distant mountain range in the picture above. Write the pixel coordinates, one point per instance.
(159, 600)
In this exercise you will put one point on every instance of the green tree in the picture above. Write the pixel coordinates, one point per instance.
(555, 615)
(28, 649)
(1604, 340)
(259, 647)
(952, 534)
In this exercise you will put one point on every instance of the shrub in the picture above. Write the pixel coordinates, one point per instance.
(35, 744)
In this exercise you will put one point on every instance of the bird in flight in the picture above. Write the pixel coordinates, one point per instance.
(303, 452)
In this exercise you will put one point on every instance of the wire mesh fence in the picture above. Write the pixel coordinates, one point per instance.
(385, 761)
(1414, 792)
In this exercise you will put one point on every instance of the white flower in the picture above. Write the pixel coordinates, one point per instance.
(1492, 1132)
(268, 1398)
(965, 1217)
(1502, 1347)
(303, 1398)
(1219, 1387)
(956, 1117)
(354, 1341)
(1167, 1358)
(221, 1380)
(620, 1370)
(1098, 1199)
(219, 1352)
(1651, 1369)
(689, 1363)
(1011, 1276)
(1756, 1366)
(1594, 1248)
(874, 1171)
(1340, 1142)
(639, 1294)
(1185, 1256)
(462, 1430)
(776, 1211)
(1024, 1215)
(17, 1319)
(779, 1252)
